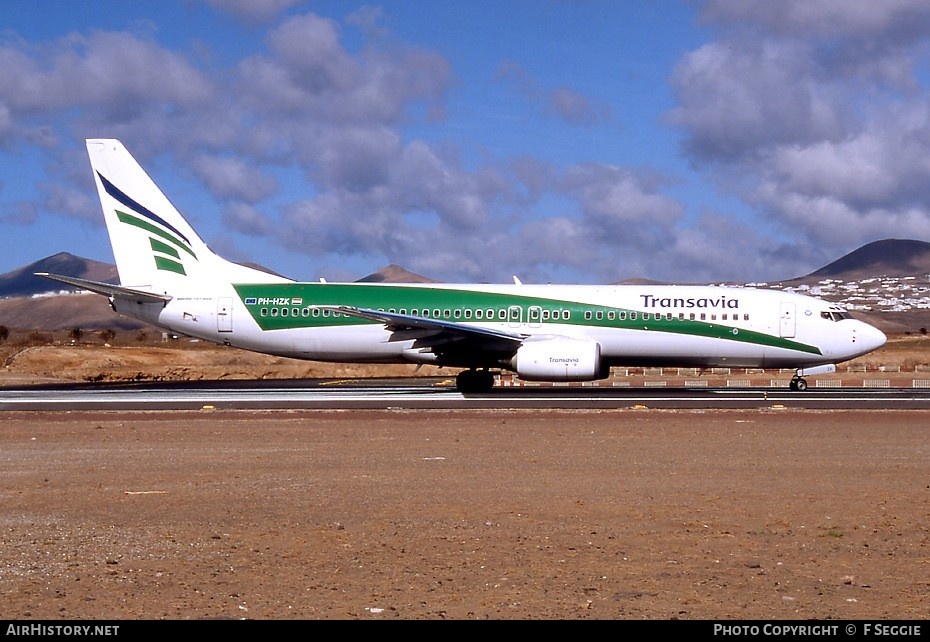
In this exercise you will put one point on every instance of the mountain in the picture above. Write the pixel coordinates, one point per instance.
(23, 281)
(394, 274)
(890, 257)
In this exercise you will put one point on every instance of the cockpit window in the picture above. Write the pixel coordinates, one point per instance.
(835, 315)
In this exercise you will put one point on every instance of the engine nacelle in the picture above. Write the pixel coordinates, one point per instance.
(559, 359)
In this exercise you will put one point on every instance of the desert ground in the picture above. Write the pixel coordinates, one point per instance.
(423, 515)
(465, 515)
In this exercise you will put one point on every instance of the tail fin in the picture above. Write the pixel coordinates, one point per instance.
(155, 248)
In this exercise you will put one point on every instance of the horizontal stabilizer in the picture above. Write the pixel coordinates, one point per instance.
(108, 289)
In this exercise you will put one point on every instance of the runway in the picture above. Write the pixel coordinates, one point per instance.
(437, 394)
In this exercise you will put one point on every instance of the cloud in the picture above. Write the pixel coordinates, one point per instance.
(308, 74)
(564, 102)
(812, 118)
(253, 12)
(247, 220)
(232, 178)
(576, 108)
(814, 114)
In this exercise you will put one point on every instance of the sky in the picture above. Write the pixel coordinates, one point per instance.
(561, 141)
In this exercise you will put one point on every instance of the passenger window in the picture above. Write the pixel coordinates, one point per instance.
(633, 316)
(264, 312)
(623, 316)
(611, 315)
(587, 315)
(479, 314)
(599, 315)
(745, 317)
(566, 314)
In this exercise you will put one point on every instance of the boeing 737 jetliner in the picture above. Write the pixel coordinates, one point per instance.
(170, 278)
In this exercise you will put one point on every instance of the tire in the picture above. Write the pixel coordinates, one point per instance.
(474, 381)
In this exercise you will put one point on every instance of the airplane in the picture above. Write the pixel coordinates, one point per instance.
(557, 333)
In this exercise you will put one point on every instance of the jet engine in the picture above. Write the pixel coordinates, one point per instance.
(559, 359)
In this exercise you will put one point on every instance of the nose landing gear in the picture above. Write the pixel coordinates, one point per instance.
(798, 382)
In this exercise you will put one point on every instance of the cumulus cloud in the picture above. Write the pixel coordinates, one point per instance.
(233, 178)
(814, 114)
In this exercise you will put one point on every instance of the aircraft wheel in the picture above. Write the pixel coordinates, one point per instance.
(474, 381)
(798, 384)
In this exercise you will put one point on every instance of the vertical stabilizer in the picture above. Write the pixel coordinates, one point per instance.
(154, 247)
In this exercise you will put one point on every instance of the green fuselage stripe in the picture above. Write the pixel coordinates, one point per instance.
(289, 306)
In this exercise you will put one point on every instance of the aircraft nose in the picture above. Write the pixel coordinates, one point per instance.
(870, 338)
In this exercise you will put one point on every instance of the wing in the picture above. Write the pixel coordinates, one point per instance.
(452, 342)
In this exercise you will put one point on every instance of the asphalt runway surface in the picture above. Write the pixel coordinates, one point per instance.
(425, 393)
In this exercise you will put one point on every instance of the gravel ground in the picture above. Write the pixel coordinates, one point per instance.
(629, 514)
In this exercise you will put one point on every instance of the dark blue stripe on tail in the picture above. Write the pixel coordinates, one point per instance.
(123, 198)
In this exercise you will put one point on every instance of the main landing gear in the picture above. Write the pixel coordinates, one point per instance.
(475, 381)
(798, 384)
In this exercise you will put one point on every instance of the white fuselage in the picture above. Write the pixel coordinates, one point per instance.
(687, 326)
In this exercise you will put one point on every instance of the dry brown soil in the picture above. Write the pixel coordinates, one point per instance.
(625, 514)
